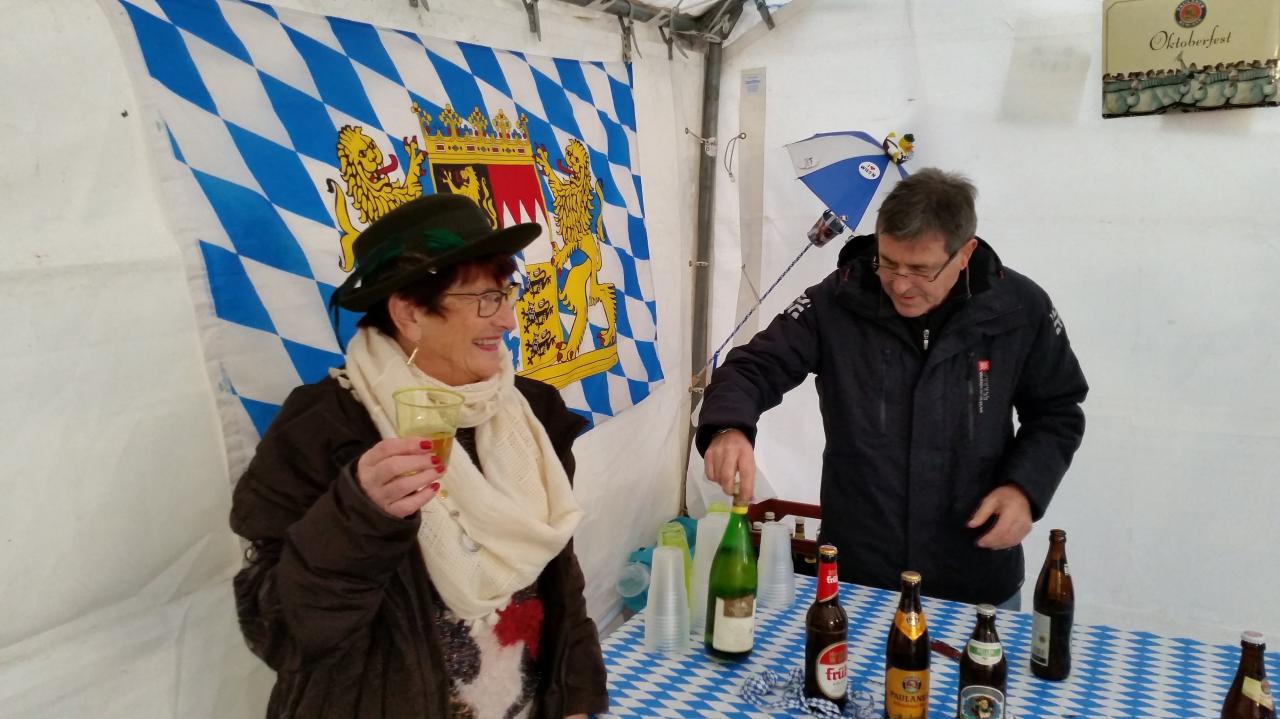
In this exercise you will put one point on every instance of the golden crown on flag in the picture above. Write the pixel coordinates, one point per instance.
(476, 139)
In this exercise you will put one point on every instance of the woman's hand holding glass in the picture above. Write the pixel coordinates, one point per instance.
(400, 475)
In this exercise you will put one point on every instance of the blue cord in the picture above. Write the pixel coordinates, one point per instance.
(715, 356)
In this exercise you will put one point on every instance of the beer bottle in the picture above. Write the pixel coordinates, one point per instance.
(906, 683)
(826, 635)
(1055, 607)
(1250, 694)
(983, 670)
(731, 591)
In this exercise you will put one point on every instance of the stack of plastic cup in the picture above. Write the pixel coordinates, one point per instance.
(775, 574)
(710, 532)
(666, 617)
(672, 534)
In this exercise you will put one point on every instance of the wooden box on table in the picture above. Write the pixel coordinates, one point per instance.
(804, 549)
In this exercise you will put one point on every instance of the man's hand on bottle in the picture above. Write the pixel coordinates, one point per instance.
(730, 454)
(1013, 518)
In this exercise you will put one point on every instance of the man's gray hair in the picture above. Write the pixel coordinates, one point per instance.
(930, 201)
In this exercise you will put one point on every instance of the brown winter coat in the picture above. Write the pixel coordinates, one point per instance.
(335, 597)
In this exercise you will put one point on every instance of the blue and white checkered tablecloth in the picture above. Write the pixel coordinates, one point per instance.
(1115, 673)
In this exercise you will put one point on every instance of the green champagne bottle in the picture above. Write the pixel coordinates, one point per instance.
(731, 590)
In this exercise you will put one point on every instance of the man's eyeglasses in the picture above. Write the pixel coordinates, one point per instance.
(490, 301)
(919, 275)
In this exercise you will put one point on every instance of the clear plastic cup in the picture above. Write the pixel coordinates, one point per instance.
(775, 573)
(633, 581)
(710, 532)
(666, 616)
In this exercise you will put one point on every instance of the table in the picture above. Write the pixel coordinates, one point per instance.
(1115, 673)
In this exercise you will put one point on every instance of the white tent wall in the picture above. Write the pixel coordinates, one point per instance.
(1155, 237)
(114, 493)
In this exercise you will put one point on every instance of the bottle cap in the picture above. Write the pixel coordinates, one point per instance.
(911, 577)
(986, 610)
(1252, 637)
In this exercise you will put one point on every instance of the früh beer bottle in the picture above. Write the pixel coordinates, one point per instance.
(1055, 607)
(826, 636)
(906, 681)
(1250, 694)
(731, 590)
(983, 671)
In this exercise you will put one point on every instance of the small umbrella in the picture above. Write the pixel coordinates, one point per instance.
(844, 169)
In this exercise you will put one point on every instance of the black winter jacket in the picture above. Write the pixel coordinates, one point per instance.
(915, 439)
(335, 596)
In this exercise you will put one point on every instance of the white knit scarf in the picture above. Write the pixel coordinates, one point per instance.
(520, 511)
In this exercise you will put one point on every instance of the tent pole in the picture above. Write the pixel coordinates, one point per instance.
(701, 262)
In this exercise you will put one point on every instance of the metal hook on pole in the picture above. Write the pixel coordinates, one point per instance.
(666, 29)
(629, 43)
(708, 143)
(765, 15)
(535, 24)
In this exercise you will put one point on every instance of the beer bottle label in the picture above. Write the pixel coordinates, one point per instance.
(1040, 639)
(828, 582)
(978, 702)
(911, 624)
(906, 694)
(832, 671)
(735, 624)
(985, 653)
(1258, 691)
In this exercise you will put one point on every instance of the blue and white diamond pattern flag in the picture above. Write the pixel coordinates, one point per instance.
(282, 134)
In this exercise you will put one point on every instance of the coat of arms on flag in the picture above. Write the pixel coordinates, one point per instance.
(283, 134)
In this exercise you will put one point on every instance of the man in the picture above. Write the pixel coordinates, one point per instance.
(923, 344)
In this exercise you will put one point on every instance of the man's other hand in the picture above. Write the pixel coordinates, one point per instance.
(1013, 518)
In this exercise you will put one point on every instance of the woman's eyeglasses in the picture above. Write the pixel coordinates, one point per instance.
(490, 301)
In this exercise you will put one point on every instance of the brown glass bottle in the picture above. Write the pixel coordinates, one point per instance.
(1055, 608)
(906, 676)
(1250, 694)
(983, 671)
(826, 636)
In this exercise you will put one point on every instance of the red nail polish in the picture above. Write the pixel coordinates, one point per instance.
(425, 444)
(435, 486)
(435, 459)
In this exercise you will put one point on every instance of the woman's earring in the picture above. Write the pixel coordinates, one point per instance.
(409, 362)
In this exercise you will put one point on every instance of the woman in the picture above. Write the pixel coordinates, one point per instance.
(368, 590)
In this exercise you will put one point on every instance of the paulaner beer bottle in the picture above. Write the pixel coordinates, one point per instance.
(826, 636)
(1055, 607)
(731, 591)
(906, 682)
(983, 670)
(1250, 694)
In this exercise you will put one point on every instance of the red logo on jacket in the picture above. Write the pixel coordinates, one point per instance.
(984, 384)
